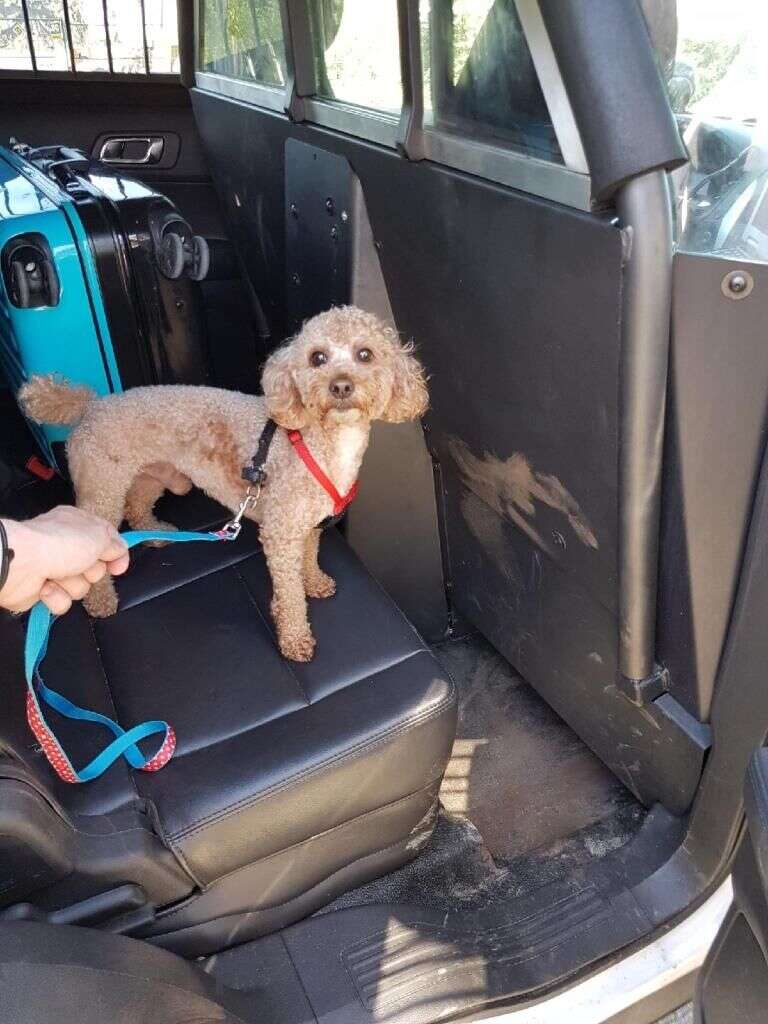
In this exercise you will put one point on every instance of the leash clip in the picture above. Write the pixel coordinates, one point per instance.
(232, 529)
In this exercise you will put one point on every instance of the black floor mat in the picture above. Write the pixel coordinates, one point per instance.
(525, 802)
(455, 872)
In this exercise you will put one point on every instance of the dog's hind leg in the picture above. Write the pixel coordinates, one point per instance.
(316, 582)
(140, 501)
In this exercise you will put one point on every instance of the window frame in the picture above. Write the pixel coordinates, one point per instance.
(567, 183)
(35, 74)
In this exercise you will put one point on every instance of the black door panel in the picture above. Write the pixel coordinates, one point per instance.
(515, 304)
(733, 984)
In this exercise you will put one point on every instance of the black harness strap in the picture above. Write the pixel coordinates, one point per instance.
(256, 473)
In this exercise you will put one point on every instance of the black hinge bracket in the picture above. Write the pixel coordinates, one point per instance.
(642, 691)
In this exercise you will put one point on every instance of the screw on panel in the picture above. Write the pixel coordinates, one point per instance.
(344, 215)
(737, 284)
(334, 233)
(295, 278)
(330, 206)
(294, 211)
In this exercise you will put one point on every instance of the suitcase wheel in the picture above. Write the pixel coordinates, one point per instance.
(170, 255)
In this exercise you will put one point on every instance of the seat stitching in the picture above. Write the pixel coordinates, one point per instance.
(183, 582)
(252, 599)
(165, 915)
(364, 746)
(206, 746)
(97, 648)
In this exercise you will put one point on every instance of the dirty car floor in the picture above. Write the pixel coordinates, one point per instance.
(525, 802)
(518, 772)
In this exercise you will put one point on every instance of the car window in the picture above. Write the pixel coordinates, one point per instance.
(137, 37)
(718, 88)
(357, 53)
(479, 77)
(243, 39)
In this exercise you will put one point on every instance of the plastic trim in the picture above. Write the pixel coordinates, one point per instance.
(630, 981)
(254, 93)
(508, 167)
(88, 76)
(620, 102)
(551, 82)
(372, 125)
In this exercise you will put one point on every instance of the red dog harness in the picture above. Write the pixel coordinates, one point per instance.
(256, 472)
(339, 502)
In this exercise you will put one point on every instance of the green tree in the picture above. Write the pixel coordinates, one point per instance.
(710, 58)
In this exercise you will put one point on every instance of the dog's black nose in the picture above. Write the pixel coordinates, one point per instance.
(341, 387)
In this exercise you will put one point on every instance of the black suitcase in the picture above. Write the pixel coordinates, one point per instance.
(148, 263)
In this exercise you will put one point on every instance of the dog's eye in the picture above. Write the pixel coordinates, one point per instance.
(364, 355)
(318, 358)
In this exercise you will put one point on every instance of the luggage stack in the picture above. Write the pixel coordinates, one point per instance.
(98, 279)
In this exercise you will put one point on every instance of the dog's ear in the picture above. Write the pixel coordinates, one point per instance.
(409, 398)
(284, 403)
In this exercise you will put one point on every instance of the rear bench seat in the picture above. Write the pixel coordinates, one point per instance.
(291, 783)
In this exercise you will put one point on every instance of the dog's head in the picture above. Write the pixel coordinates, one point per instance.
(344, 365)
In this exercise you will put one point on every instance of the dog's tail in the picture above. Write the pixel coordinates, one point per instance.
(52, 400)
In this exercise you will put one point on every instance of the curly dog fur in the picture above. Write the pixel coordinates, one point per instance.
(343, 370)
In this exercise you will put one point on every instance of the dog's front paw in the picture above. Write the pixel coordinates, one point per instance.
(320, 585)
(101, 600)
(297, 646)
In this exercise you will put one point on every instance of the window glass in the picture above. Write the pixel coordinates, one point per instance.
(89, 40)
(479, 78)
(718, 86)
(243, 39)
(162, 36)
(46, 21)
(143, 35)
(126, 37)
(14, 49)
(357, 52)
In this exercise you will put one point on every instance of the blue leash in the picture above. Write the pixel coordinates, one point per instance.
(125, 743)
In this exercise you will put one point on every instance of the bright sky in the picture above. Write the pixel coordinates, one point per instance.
(718, 19)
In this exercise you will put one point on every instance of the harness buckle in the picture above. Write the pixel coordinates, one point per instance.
(231, 530)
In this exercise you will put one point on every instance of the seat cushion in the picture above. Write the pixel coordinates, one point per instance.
(288, 779)
(271, 751)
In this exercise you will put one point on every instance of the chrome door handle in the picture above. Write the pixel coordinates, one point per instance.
(132, 149)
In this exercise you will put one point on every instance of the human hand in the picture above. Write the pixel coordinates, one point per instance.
(57, 557)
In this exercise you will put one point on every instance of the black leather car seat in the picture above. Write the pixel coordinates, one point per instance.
(290, 783)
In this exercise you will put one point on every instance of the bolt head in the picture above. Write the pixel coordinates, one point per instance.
(737, 284)
(294, 210)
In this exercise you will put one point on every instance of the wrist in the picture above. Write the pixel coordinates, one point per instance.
(21, 574)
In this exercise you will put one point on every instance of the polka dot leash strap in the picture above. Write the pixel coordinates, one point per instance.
(125, 743)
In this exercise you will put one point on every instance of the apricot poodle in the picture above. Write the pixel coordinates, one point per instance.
(342, 371)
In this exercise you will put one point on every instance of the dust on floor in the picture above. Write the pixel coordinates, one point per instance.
(518, 772)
